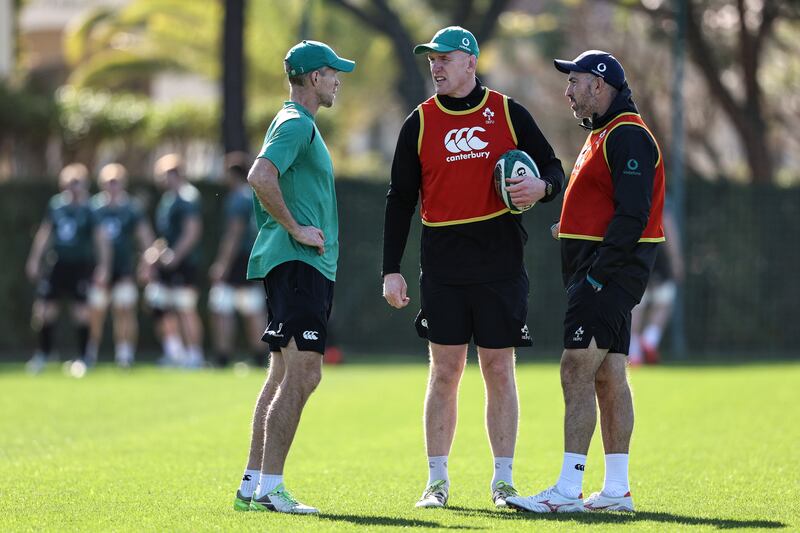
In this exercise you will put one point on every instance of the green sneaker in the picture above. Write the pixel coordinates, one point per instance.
(503, 491)
(241, 503)
(280, 500)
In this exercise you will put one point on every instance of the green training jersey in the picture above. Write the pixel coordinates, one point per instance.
(173, 210)
(294, 145)
(119, 222)
(73, 229)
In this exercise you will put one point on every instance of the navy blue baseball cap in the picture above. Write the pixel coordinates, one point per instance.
(597, 62)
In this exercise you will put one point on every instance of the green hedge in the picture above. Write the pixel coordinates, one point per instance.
(741, 288)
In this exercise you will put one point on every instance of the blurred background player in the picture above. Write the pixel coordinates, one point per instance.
(123, 223)
(230, 291)
(69, 249)
(652, 315)
(173, 260)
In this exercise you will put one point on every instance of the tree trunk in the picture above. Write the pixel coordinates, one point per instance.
(234, 137)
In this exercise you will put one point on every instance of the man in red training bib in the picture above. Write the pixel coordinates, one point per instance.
(473, 281)
(609, 230)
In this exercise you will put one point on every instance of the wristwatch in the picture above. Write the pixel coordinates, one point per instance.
(548, 189)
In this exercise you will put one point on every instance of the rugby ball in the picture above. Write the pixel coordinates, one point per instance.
(513, 163)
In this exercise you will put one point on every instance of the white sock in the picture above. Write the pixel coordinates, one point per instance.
(92, 350)
(124, 352)
(173, 348)
(437, 469)
(502, 471)
(616, 483)
(195, 354)
(570, 483)
(267, 483)
(651, 336)
(249, 483)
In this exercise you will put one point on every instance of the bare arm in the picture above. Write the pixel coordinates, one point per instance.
(40, 240)
(144, 234)
(263, 178)
(227, 248)
(102, 247)
(192, 228)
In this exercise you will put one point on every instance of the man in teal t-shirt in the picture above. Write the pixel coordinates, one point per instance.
(70, 252)
(295, 255)
(172, 292)
(126, 227)
(231, 292)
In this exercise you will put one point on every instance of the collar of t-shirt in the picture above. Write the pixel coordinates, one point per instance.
(472, 100)
(294, 105)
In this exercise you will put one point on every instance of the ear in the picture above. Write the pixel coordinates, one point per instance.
(473, 63)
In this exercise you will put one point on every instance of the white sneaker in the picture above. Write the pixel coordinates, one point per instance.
(435, 495)
(36, 363)
(547, 501)
(600, 502)
(281, 501)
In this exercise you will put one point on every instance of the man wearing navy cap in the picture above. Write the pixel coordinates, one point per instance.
(609, 229)
(473, 283)
(295, 255)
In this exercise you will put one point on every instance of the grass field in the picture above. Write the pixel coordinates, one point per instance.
(715, 447)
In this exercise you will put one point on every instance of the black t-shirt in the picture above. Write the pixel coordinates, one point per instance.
(475, 252)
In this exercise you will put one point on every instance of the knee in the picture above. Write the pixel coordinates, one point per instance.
(305, 376)
(498, 372)
(446, 376)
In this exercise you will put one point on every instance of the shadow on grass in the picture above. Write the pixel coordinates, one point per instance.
(624, 518)
(387, 521)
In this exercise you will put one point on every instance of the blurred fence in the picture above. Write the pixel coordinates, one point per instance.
(741, 290)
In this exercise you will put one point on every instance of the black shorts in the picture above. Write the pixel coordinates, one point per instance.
(120, 272)
(184, 275)
(604, 316)
(70, 280)
(494, 314)
(299, 301)
(237, 273)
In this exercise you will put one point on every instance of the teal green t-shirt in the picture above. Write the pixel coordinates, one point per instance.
(239, 206)
(294, 145)
(119, 221)
(172, 211)
(73, 229)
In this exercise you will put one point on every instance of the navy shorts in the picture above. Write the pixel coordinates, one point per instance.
(604, 316)
(237, 273)
(299, 301)
(493, 314)
(70, 280)
(183, 275)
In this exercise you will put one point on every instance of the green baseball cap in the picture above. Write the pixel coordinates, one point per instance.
(309, 56)
(449, 39)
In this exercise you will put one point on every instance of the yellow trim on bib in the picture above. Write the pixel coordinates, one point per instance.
(465, 220)
(421, 128)
(598, 239)
(581, 237)
(468, 111)
(508, 120)
(618, 124)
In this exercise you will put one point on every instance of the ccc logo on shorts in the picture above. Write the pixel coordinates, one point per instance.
(464, 140)
(311, 335)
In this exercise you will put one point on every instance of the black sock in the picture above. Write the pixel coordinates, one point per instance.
(83, 339)
(46, 338)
